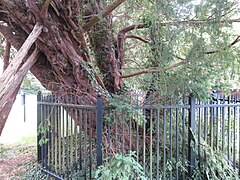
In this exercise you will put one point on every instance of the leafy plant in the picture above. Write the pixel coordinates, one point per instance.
(211, 164)
(43, 129)
(120, 167)
(124, 106)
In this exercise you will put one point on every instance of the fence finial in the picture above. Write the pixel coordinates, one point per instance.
(39, 96)
(99, 94)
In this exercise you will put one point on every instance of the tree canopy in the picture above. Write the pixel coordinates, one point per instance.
(84, 46)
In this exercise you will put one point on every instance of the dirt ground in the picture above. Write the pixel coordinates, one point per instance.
(16, 160)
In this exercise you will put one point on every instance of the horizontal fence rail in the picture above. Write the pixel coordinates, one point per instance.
(168, 136)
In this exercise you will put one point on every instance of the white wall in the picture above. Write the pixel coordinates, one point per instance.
(15, 127)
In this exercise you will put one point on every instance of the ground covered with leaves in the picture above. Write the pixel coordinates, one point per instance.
(19, 161)
(15, 160)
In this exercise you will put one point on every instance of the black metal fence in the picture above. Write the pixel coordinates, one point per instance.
(167, 135)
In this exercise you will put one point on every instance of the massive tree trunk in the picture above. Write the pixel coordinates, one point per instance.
(64, 65)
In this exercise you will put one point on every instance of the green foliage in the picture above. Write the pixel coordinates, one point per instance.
(120, 167)
(195, 30)
(124, 106)
(212, 164)
(44, 128)
(183, 31)
(31, 85)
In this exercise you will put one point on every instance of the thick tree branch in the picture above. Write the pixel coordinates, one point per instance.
(6, 55)
(8, 95)
(44, 10)
(121, 38)
(14, 74)
(33, 8)
(17, 61)
(137, 37)
(152, 70)
(106, 12)
(132, 27)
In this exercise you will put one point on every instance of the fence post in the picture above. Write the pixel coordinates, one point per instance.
(39, 148)
(99, 119)
(23, 95)
(191, 129)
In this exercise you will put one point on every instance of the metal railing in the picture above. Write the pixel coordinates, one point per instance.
(77, 136)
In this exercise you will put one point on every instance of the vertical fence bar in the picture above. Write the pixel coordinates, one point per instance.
(151, 145)
(199, 131)
(85, 129)
(171, 150)
(191, 129)
(63, 137)
(90, 139)
(177, 143)
(183, 141)
(144, 142)
(67, 136)
(228, 130)
(238, 138)
(205, 123)
(158, 142)
(80, 135)
(55, 135)
(211, 126)
(217, 124)
(39, 118)
(223, 126)
(164, 141)
(99, 128)
(60, 136)
(234, 133)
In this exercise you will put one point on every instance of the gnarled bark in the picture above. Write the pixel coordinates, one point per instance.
(14, 74)
(63, 64)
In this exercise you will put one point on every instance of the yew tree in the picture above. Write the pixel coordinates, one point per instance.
(83, 46)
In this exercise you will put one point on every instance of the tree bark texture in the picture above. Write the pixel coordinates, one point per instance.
(12, 77)
(72, 30)
(6, 55)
